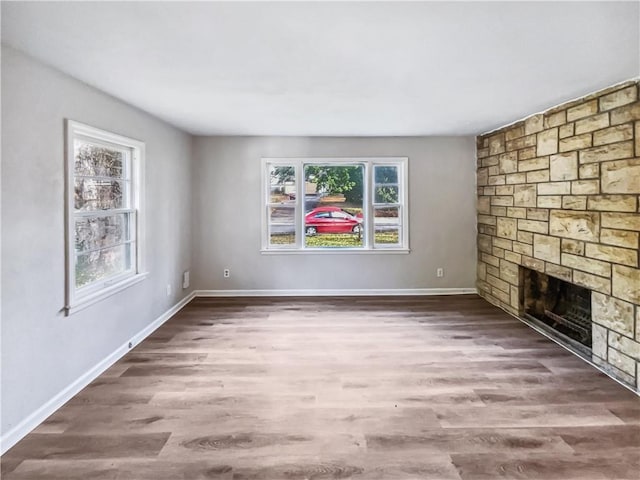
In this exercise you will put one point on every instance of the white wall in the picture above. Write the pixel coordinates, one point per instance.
(42, 350)
(227, 208)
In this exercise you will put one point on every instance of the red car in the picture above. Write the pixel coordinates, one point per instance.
(332, 220)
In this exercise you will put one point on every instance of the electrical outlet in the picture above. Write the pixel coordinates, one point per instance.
(168, 289)
(440, 272)
(226, 273)
(185, 279)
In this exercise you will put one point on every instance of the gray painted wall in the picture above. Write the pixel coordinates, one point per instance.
(228, 211)
(42, 350)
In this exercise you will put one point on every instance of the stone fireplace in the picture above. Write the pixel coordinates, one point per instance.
(559, 213)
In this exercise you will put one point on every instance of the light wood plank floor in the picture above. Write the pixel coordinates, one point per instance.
(364, 388)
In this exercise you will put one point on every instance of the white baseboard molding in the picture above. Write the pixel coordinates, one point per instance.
(14, 435)
(334, 293)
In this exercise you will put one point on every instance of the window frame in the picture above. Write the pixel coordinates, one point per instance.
(369, 246)
(78, 298)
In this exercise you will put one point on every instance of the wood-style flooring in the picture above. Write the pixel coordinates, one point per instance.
(336, 388)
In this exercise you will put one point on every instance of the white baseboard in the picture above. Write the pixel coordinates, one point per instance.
(334, 293)
(14, 435)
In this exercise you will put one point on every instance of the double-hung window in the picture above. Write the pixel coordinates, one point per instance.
(335, 205)
(104, 213)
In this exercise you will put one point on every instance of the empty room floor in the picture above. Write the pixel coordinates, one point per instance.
(325, 388)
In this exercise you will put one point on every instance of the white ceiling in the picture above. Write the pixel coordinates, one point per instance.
(341, 68)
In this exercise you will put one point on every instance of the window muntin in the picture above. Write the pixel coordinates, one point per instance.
(336, 204)
(104, 187)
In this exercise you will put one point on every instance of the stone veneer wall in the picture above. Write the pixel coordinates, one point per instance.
(559, 193)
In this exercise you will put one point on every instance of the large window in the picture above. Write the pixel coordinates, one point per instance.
(104, 224)
(347, 204)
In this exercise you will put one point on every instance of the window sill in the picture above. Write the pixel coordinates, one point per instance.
(336, 251)
(84, 302)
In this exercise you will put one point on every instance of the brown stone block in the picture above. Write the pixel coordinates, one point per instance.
(589, 170)
(637, 138)
(619, 133)
(596, 267)
(619, 98)
(575, 225)
(563, 166)
(575, 247)
(628, 113)
(491, 161)
(574, 202)
(615, 151)
(611, 254)
(582, 110)
(554, 188)
(514, 132)
(533, 226)
(527, 153)
(620, 176)
(523, 248)
(499, 211)
(533, 263)
(508, 162)
(484, 243)
(509, 272)
(524, 195)
(620, 238)
(512, 257)
(525, 237)
(622, 361)
(515, 298)
(585, 187)
(513, 178)
(538, 163)
(547, 142)
(516, 212)
(490, 259)
(626, 283)
(497, 252)
(507, 228)
(494, 169)
(538, 214)
(484, 204)
(638, 323)
(550, 201)
(490, 190)
(575, 143)
(502, 200)
(504, 297)
(481, 270)
(496, 144)
(487, 219)
(599, 340)
(502, 243)
(589, 124)
(483, 176)
(534, 124)
(593, 282)
(613, 203)
(537, 176)
(522, 142)
(498, 283)
(557, 271)
(566, 130)
(504, 190)
(622, 221)
(546, 248)
(496, 180)
(555, 119)
(483, 152)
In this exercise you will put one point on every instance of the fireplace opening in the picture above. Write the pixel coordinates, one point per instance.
(561, 306)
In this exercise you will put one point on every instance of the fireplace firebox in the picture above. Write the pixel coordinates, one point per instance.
(559, 307)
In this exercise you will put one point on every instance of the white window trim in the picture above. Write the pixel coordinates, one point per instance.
(76, 301)
(369, 248)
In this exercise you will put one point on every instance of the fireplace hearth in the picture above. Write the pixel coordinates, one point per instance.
(561, 308)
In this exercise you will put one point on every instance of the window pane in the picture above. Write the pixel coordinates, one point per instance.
(94, 160)
(386, 226)
(94, 194)
(282, 234)
(387, 194)
(333, 205)
(282, 182)
(100, 232)
(284, 214)
(385, 174)
(101, 264)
